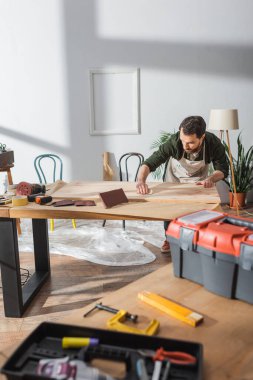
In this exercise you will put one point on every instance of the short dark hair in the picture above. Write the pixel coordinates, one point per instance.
(193, 125)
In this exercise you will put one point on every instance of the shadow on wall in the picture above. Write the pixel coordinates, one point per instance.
(84, 49)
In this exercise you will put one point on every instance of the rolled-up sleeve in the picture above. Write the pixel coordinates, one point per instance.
(219, 159)
(160, 156)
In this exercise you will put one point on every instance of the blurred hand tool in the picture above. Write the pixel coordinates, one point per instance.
(172, 308)
(161, 355)
(175, 357)
(166, 371)
(141, 370)
(4, 201)
(157, 370)
(100, 306)
(42, 200)
(76, 342)
(31, 198)
(26, 188)
(117, 322)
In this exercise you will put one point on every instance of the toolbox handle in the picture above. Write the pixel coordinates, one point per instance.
(238, 222)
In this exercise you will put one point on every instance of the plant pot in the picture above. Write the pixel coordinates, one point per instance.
(241, 197)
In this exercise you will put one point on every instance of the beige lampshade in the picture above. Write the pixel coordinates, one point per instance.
(222, 120)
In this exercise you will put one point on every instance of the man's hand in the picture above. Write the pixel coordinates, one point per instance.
(206, 183)
(217, 175)
(142, 188)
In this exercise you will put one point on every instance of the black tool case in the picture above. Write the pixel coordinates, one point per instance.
(45, 342)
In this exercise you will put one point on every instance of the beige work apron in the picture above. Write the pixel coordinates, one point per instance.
(186, 171)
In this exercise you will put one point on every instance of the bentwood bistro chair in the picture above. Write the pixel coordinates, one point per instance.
(54, 166)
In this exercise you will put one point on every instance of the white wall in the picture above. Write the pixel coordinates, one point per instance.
(193, 55)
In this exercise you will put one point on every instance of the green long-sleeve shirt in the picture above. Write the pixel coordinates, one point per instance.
(214, 153)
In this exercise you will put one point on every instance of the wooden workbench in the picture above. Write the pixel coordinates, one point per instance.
(226, 332)
(165, 202)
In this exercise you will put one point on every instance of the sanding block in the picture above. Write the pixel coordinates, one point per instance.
(113, 197)
(171, 308)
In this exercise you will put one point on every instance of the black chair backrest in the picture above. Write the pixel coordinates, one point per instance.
(126, 156)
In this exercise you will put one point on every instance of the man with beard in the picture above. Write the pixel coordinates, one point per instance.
(187, 155)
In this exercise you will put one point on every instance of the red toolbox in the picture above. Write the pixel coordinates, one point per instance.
(216, 250)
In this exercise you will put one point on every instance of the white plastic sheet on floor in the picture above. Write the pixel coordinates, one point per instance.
(109, 245)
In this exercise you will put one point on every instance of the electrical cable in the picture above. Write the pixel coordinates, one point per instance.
(24, 276)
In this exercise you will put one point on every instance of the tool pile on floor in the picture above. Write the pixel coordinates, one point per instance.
(57, 351)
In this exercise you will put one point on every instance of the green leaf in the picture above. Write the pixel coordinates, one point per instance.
(163, 138)
(243, 167)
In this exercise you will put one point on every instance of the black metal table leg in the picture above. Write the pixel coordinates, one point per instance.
(15, 297)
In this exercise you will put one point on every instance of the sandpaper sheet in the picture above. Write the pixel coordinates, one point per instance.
(67, 202)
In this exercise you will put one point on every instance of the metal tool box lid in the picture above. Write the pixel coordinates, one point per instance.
(214, 231)
(194, 221)
(200, 217)
(223, 237)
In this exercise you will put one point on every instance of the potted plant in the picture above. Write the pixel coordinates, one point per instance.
(164, 136)
(243, 173)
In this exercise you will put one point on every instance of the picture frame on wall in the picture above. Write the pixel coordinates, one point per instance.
(114, 101)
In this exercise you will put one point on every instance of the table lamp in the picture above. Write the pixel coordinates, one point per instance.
(225, 120)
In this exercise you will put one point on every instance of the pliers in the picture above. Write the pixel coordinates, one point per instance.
(171, 357)
(175, 357)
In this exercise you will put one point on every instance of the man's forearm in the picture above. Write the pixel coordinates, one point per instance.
(143, 174)
(216, 176)
(142, 187)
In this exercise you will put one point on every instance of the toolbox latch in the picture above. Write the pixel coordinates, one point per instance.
(246, 257)
(186, 239)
